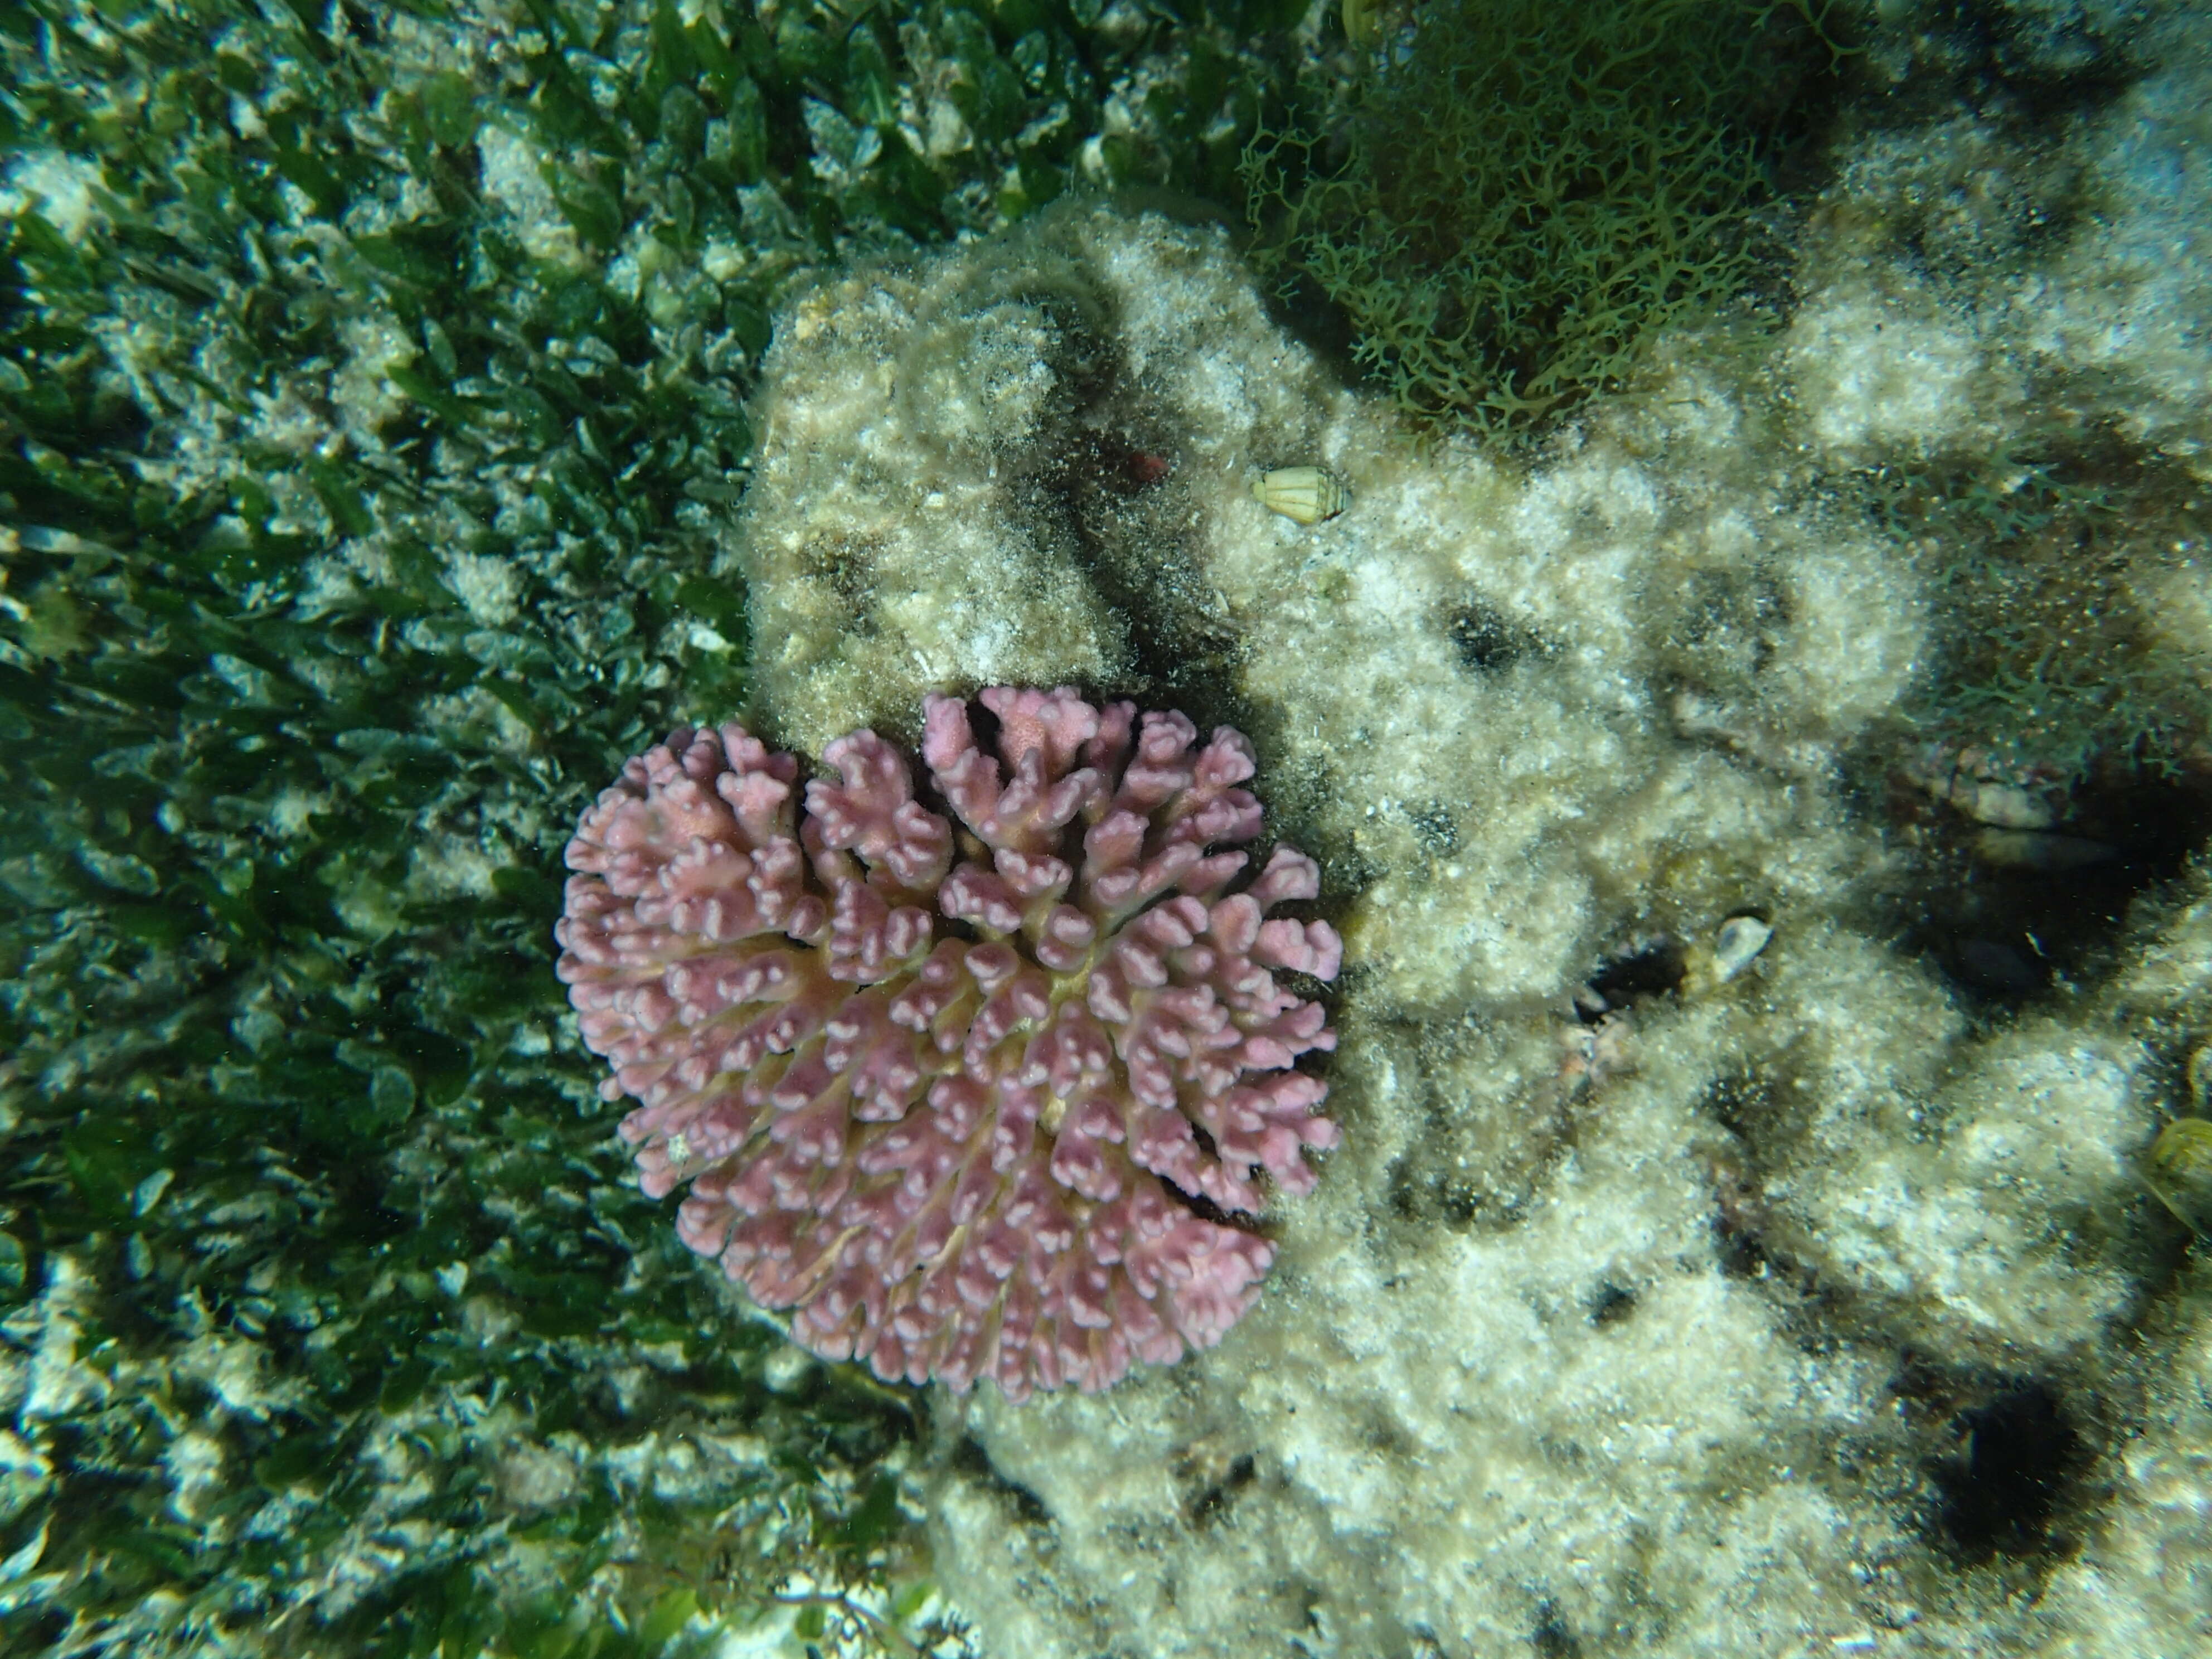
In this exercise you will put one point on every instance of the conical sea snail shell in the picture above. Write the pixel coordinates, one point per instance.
(1306, 494)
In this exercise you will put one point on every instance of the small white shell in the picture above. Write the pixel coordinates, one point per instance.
(1305, 494)
(1740, 939)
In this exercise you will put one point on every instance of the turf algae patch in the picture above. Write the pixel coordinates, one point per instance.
(1505, 199)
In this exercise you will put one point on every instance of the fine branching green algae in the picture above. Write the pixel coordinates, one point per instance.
(372, 385)
(1504, 197)
(2043, 561)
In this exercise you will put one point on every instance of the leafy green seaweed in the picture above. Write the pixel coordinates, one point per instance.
(372, 388)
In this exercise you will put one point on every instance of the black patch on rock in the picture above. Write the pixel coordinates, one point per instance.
(1646, 968)
(2003, 1489)
(1611, 1305)
(1488, 641)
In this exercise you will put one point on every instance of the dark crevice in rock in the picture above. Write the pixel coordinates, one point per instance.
(970, 1460)
(2003, 1491)
(1211, 1504)
(1489, 642)
(1647, 968)
(2009, 916)
(1610, 1303)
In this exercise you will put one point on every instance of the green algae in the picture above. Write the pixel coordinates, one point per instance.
(1507, 198)
(371, 389)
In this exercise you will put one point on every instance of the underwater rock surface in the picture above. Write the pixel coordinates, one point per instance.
(1662, 1297)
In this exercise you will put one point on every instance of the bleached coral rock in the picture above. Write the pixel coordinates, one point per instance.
(1603, 1356)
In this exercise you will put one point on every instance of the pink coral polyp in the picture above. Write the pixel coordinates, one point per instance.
(953, 1088)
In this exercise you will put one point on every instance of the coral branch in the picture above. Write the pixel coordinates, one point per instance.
(959, 1157)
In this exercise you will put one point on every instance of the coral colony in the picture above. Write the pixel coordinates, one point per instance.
(957, 1089)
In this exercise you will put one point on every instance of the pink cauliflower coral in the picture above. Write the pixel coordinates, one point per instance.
(964, 1094)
